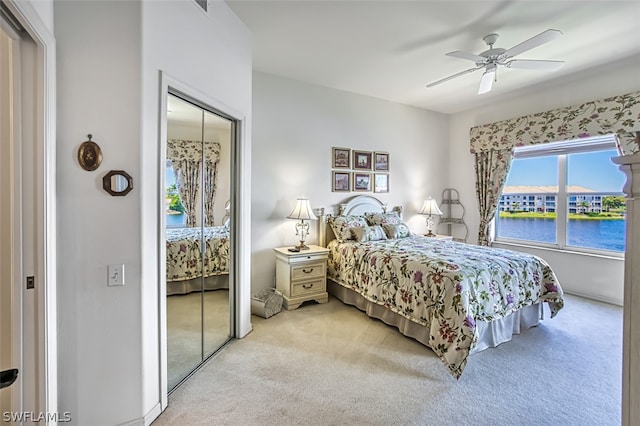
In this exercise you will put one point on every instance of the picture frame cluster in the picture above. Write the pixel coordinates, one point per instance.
(359, 171)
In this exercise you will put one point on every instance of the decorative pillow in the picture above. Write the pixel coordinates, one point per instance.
(400, 230)
(341, 225)
(368, 233)
(383, 218)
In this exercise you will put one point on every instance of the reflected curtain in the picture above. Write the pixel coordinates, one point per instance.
(186, 157)
(212, 156)
(492, 143)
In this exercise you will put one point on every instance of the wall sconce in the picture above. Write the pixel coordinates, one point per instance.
(302, 211)
(430, 209)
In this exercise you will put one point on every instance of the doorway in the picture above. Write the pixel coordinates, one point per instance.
(9, 398)
(27, 211)
(198, 228)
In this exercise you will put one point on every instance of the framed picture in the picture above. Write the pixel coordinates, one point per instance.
(381, 182)
(362, 160)
(361, 181)
(341, 182)
(381, 161)
(341, 158)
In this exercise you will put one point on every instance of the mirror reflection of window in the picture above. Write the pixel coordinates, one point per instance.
(176, 216)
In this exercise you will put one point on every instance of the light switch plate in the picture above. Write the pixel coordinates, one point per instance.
(115, 275)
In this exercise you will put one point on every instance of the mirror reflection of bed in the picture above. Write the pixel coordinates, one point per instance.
(197, 182)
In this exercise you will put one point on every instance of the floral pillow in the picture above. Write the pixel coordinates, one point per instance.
(383, 218)
(368, 233)
(400, 230)
(341, 225)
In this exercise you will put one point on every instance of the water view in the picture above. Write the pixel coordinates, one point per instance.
(597, 234)
(176, 220)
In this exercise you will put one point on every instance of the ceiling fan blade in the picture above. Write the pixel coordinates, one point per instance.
(467, 55)
(487, 80)
(453, 76)
(535, 41)
(532, 64)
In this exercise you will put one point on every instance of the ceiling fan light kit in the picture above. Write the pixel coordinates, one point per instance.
(492, 57)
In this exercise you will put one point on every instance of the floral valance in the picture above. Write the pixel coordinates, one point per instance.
(179, 149)
(618, 114)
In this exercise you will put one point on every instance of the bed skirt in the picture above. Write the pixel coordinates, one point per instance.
(214, 282)
(491, 334)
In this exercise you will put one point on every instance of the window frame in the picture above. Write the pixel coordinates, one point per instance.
(561, 150)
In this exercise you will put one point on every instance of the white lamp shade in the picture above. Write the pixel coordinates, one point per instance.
(430, 207)
(302, 210)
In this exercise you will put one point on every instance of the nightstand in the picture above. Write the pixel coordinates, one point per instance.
(302, 276)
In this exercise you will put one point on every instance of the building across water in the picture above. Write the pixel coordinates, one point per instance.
(542, 199)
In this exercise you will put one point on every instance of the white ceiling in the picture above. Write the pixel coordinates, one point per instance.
(392, 49)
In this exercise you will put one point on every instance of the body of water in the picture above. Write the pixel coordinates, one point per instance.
(598, 234)
(176, 220)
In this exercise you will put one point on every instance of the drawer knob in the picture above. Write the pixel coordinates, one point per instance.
(307, 271)
(307, 286)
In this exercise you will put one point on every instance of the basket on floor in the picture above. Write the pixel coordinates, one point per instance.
(266, 303)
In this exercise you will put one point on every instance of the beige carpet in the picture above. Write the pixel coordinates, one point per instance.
(185, 330)
(329, 364)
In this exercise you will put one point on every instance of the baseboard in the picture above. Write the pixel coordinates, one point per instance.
(152, 414)
(597, 298)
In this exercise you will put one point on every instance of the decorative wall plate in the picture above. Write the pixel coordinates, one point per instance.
(89, 155)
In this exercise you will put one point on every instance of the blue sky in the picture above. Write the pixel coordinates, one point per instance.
(592, 170)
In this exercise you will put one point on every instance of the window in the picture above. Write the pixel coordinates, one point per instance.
(175, 215)
(566, 195)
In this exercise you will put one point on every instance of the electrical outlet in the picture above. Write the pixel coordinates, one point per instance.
(115, 275)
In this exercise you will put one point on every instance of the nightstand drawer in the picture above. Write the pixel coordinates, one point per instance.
(308, 270)
(308, 287)
(311, 257)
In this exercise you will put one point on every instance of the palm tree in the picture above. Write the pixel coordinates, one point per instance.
(585, 206)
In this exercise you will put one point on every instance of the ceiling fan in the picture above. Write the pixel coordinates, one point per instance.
(491, 58)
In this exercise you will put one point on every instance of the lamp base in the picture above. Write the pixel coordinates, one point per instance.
(302, 246)
(429, 234)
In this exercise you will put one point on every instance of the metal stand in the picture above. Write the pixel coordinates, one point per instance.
(453, 212)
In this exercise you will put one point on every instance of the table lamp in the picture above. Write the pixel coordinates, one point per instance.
(430, 209)
(302, 211)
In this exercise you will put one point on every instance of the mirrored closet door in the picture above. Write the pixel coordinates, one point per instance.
(198, 238)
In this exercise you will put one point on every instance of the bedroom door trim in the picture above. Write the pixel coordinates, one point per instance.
(33, 136)
(170, 85)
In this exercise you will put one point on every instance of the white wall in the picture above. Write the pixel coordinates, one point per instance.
(110, 55)
(211, 54)
(99, 327)
(576, 273)
(44, 9)
(295, 125)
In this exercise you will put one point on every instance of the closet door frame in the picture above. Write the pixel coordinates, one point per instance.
(237, 275)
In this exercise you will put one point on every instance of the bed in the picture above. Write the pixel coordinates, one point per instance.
(453, 297)
(185, 264)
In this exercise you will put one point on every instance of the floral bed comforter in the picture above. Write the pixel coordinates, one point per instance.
(446, 286)
(184, 259)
